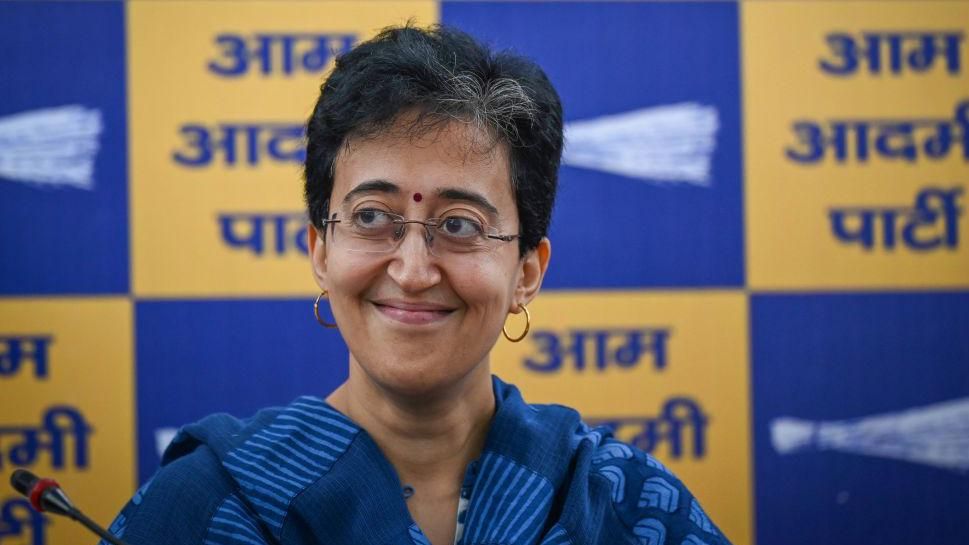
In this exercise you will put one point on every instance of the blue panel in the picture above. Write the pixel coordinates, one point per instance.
(832, 358)
(63, 230)
(201, 357)
(612, 230)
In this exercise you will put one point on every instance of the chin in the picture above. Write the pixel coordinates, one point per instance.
(418, 376)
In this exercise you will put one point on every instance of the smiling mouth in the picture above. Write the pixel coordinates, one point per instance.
(412, 314)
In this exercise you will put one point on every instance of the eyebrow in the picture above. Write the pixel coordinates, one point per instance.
(454, 194)
(372, 186)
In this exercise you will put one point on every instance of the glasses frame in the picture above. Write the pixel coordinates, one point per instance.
(430, 226)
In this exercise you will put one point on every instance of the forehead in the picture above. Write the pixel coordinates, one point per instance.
(451, 155)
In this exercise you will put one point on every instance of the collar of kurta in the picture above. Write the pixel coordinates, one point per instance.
(312, 476)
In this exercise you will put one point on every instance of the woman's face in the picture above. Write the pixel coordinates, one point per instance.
(418, 322)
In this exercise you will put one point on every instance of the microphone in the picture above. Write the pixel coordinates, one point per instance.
(46, 495)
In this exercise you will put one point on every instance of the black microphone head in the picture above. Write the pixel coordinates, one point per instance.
(23, 481)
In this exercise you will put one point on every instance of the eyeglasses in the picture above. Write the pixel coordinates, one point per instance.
(376, 231)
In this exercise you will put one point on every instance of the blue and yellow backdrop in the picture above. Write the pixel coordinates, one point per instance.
(761, 271)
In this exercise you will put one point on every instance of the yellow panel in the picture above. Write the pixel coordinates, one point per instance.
(790, 236)
(702, 337)
(178, 246)
(76, 356)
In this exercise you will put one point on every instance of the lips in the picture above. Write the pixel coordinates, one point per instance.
(413, 313)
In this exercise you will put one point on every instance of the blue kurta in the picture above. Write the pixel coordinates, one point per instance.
(305, 474)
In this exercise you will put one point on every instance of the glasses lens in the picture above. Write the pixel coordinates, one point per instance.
(457, 234)
(371, 230)
(366, 230)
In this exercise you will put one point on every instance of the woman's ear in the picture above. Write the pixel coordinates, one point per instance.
(533, 266)
(317, 249)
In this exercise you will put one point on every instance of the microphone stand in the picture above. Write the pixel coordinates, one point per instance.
(47, 495)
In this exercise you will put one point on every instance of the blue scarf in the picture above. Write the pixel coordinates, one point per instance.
(305, 474)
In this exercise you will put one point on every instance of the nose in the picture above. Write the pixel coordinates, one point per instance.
(413, 267)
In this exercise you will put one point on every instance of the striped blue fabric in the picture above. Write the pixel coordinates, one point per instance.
(557, 536)
(117, 528)
(417, 536)
(509, 504)
(306, 475)
(279, 461)
(233, 524)
(120, 523)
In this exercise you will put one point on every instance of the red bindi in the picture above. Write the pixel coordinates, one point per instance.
(418, 197)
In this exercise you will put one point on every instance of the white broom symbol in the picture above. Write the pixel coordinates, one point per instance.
(51, 146)
(935, 435)
(669, 143)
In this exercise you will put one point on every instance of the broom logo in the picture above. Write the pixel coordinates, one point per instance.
(935, 435)
(672, 143)
(51, 146)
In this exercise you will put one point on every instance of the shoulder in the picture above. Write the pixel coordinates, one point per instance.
(195, 496)
(219, 432)
(616, 491)
(181, 503)
(648, 499)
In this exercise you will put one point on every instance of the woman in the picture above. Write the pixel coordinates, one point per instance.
(430, 174)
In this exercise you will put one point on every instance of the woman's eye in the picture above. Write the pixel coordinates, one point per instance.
(371, 218)
(457, 226)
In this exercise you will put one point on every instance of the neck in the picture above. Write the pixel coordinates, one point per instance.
(429, 439)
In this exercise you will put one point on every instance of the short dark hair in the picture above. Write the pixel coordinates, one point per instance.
(443, 74)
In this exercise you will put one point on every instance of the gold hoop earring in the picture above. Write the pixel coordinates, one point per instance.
(528, 324)
(316, 311)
